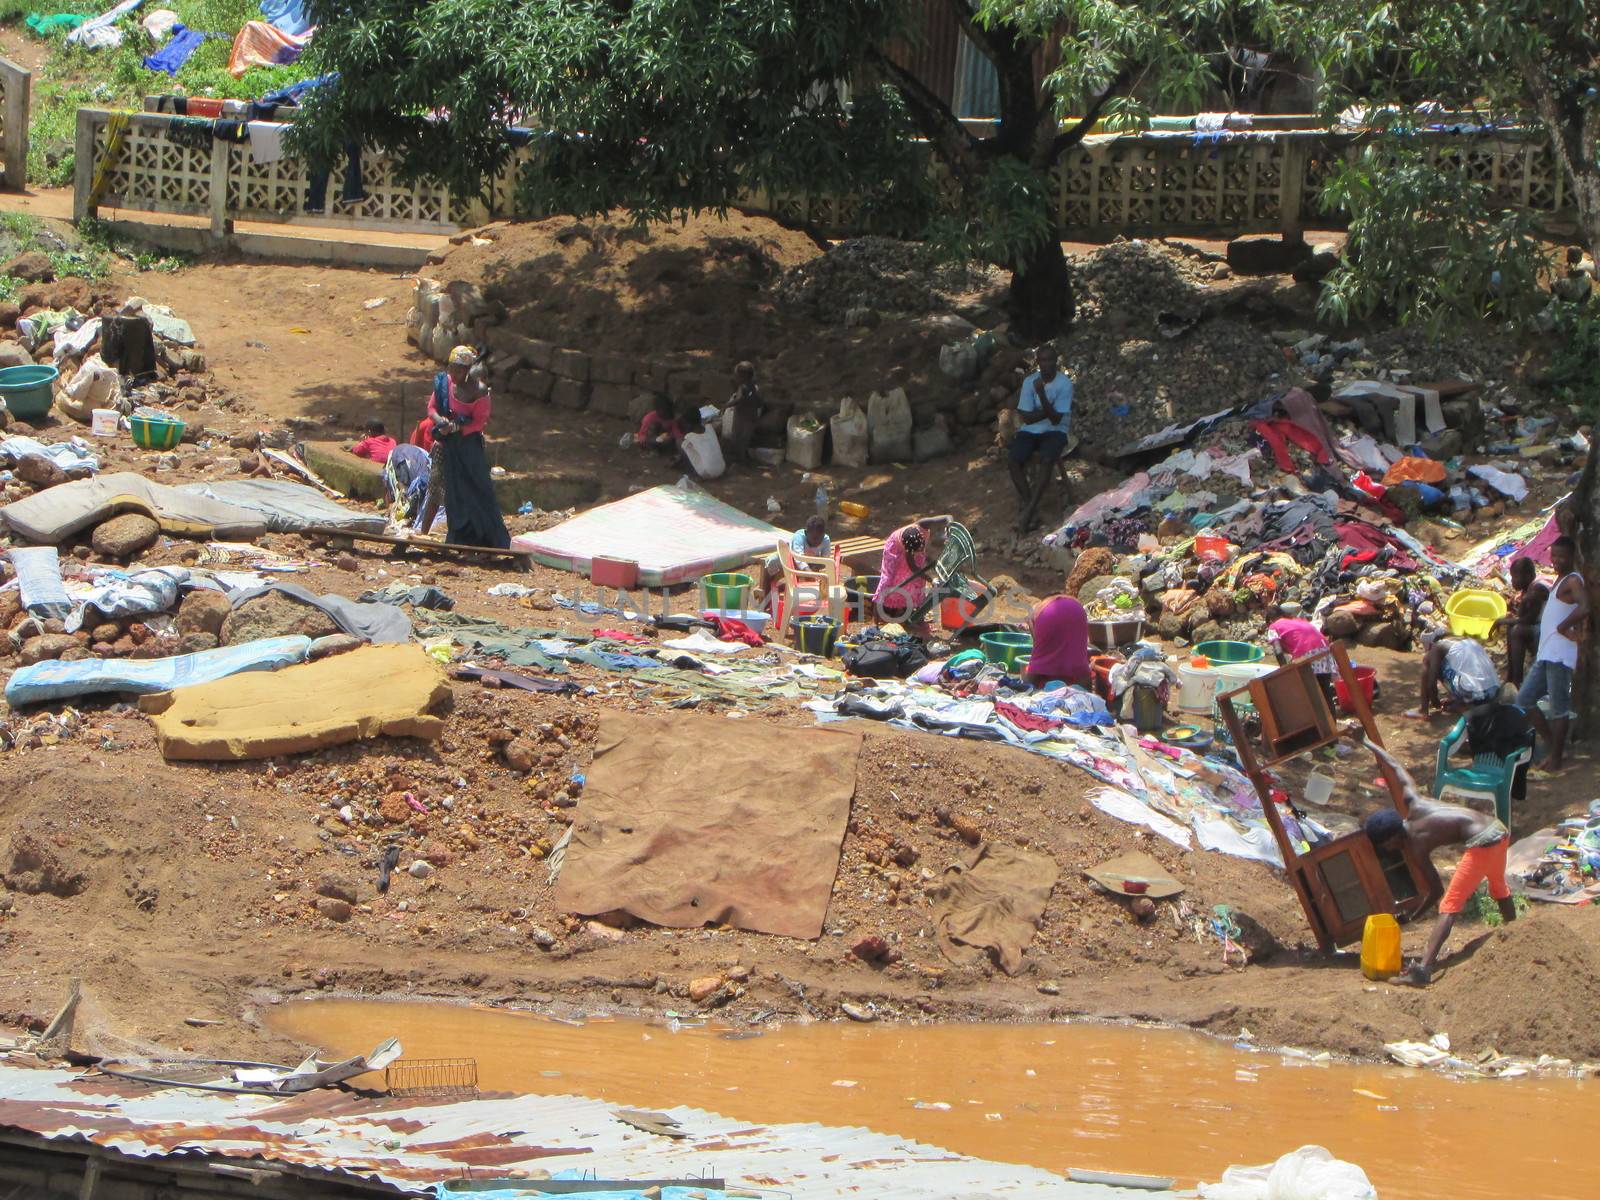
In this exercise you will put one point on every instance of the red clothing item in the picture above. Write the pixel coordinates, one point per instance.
(376, 448)
(472, 415)
(422, 435)
(1277, 433)
(654, 425)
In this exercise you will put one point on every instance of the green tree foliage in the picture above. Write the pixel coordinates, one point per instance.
(664, 107)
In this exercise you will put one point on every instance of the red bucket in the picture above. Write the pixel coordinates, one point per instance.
(955, 612)
(1366, 677)
(1100, 667)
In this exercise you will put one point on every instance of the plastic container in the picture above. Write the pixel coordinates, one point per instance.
(105, 422)
(1222, 653)
(1100, 672)
(1380, 946)
(753, 617)
(28, 391)
(955, 612)
(1472, 611)
(1108, 635)
(1197, 687)
(156, 431)
(852, 508)
(725, 590)
(1005, 647)
(1366, 679)
(816, 635)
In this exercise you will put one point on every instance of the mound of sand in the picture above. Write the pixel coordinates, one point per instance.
(1529, 989)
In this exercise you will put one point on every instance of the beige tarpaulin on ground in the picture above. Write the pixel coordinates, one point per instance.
(689, 820)
(365, 693)
(993, 904)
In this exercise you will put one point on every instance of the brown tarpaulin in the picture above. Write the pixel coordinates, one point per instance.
(689, 820)
(993, 904)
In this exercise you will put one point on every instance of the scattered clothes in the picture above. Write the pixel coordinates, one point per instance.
(167, 327)
(730, 630)
(528, 683)
(992, 904)
(69, 456)
(374, 691)
(1280, 434)
(259, 44)
(119, 594)
(74, 343)
(1410, 468)
(421, 596)
(159, 24)
(1507, 483)
(39, 581)
(61, 680)
(701, 642)
(171, 57)
(100, 33)
(376, 623)
(353, 191)
(619, 635)
(53, 515)
(657, 838)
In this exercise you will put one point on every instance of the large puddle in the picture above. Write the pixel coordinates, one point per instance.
(1111, 1098)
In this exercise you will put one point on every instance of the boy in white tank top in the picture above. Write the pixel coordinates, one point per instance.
(1546, 694)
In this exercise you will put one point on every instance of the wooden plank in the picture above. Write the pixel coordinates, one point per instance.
(418, 543)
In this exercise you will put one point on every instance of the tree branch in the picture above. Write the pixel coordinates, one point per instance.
(1069, 138)
(939, 124)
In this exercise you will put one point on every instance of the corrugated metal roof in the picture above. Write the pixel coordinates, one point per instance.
(413, 1145)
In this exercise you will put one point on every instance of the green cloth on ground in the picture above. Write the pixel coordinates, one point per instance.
(44, 26)
(511, 643)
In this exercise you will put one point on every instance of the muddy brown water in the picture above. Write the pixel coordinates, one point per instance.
(1098, 1097)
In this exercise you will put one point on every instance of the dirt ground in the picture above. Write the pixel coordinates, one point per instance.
(187, 890)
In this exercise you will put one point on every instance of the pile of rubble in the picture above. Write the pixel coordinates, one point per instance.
(876, 275)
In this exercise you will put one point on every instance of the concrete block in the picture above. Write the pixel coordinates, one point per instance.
(532, 385)
(611, 368)
(612, 399)
(569, 393)
(358, 478)
(531, 352)
(571, 364)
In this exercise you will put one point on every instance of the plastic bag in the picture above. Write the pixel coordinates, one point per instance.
(1309, 1173)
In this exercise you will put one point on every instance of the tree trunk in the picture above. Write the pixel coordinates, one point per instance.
(1041, 301)
(1586, 505)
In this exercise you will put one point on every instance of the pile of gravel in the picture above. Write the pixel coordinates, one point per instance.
(890, 277)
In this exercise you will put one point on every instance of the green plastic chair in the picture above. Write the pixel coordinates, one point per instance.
(1488, 776)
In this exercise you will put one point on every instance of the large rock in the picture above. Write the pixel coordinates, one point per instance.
(31, 267)
(334, 643)
(275, 615)
(12, 354)
(571, 364)
(46, 647)
(196, 643)
(39, 471)
(532, 384)
(125, 536)
(1266, 255)
(203, 611)
(569, 393)
(612, 399)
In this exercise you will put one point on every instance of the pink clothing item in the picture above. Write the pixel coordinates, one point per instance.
(895, 583)
(1060, 641)
(1297, 636)
(376, 448)
(473, 415)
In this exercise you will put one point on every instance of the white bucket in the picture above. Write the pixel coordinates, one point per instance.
(106, 422)
(1197, 688)
(1236, 675)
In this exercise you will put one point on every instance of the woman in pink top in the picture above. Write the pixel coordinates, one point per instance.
(908, 557)
(459, 411)
(1060, 642)
(1295, 637)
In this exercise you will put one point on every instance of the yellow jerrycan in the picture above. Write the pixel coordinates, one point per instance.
(1380, 946)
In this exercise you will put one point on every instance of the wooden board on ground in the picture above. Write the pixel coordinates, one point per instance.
(428, 544)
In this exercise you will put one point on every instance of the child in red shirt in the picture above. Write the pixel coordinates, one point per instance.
(376, 445)
(660, 429)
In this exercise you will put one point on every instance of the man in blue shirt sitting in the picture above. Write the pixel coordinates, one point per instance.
(1046, 405)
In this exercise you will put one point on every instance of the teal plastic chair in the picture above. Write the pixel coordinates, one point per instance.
(1488, 776)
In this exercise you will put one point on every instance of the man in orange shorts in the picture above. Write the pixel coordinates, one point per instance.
(1431, 825)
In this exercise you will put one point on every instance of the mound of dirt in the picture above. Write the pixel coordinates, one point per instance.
(34, 868)
(889, 277)
(609, 285)
(1529, 988)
